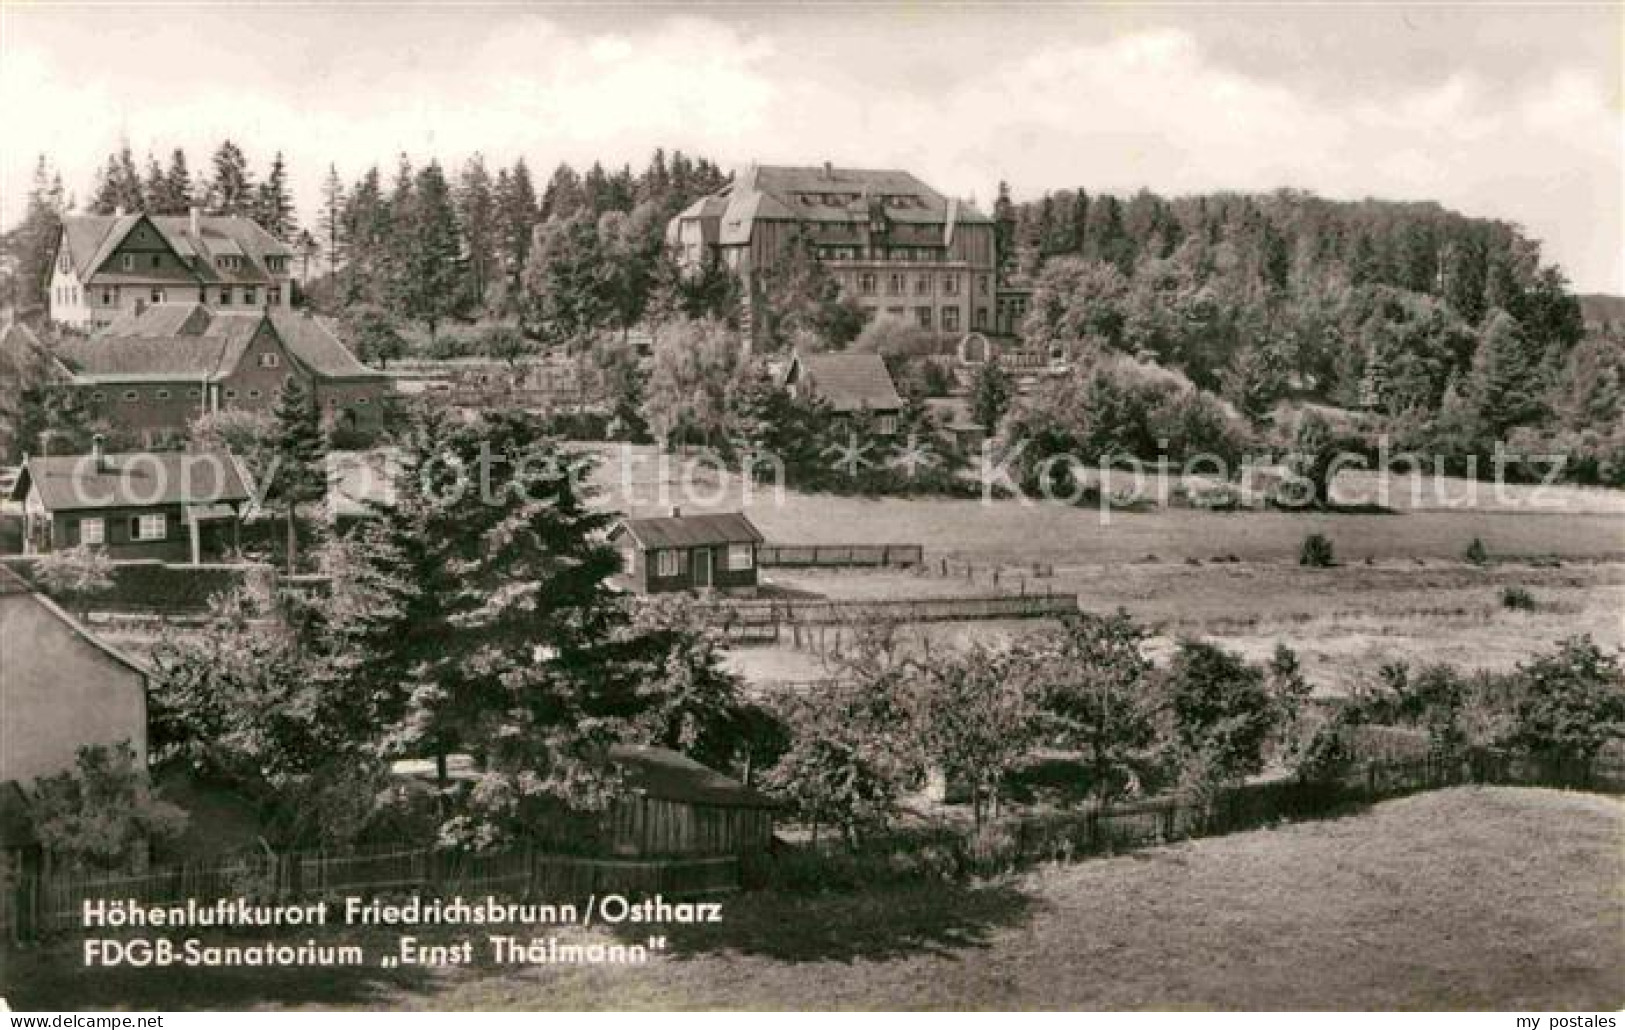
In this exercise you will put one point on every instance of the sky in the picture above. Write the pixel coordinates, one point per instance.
(1512, 112)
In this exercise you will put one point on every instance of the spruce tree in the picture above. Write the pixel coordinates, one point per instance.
(299, 475)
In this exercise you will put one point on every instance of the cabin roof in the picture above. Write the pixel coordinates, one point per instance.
(692, 530)
(662, 773)
(847, 381)
(143, 479)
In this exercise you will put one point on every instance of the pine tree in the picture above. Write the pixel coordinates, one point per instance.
(517, 216)
(330, 224)
(476, 214)
(119, 185)
(177, 196)
(273, 204)
(1504, 386)
(428, 252)
(34, 240)
(231, 191)
(299, 475)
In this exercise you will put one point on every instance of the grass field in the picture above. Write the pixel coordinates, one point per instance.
(1474, 898)
(1343, 622)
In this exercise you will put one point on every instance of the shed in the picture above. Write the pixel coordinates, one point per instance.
(849, 382)
(673, 805)
(688, 552)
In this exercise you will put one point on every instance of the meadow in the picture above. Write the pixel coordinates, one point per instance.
(1456, 899)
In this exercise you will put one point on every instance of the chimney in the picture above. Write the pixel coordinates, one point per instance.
(676, 512)
(195, 213)
(96, 452)
(829, 170)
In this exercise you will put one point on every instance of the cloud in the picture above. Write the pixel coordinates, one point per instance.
(1147, 107)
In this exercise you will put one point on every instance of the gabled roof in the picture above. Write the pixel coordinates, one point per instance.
(829, 194)
(143, 479)
(13, 586)
(692, 530)
(846, 381)
(192, 328)
(133, 359)
(661, 773)
(92, 239)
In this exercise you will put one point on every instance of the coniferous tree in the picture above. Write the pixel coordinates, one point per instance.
(330, 223)
(231, 190)
(428, 264)
(476, 217)
(273, 203)
(299, 475)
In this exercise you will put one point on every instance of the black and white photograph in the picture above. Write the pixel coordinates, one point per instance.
(825, 506)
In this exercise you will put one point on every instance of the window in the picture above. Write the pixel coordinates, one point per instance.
(62, 262)
(866, 283)
(92, 531)
(248, 295)
(981, 284)
(981, 318)
(270, 360)
(894, 284)
(886, 425)
(157, 295)
(149, 527)
(202, 295)
(950, 320)
(157, 261)
(107, 296)
(162, 395)
(950, 284)
(194, 394)
(231, 395)
(127, 262)
(741, 557)
(131, 395)
(273, 295)
(98, 396)
(225, 296)
(923, 317)
(922, 286)
(361, 400)
(670, 563)
(253, 395)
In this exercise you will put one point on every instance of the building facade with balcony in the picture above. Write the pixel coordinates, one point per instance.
(896, 246)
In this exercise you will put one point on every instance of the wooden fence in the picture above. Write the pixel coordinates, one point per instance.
(763, 620)
(1124, 827)
(836, 556)
(53, 902)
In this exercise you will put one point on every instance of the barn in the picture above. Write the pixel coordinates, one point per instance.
(688, 553)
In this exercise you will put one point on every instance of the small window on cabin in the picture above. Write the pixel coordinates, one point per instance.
(157, 296)
(194, 394)
(741, 557)
(671, 563)
(253, 395)
(149, 527)
(107, 297)
(225, 295)
(248, 296)
(127, 262)
(98, 396)
(131, 395)
(361, 400)
(162, 395)
(273, 295)
(92, 531)
(231, 395)
(157, 261)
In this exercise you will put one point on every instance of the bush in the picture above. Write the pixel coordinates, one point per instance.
(1517, 599)
(1316, 552)
(1477, 553)
(104, 815)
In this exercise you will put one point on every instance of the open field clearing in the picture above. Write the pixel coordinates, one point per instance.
(1471, 898)
(1344, 622)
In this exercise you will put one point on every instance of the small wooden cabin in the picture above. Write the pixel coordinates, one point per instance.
(688, 552)
(673, 805)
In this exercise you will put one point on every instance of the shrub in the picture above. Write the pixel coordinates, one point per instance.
(75, 575)
(1517, 599)
(104, 815)
(1477, 553)
(1316, 552)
